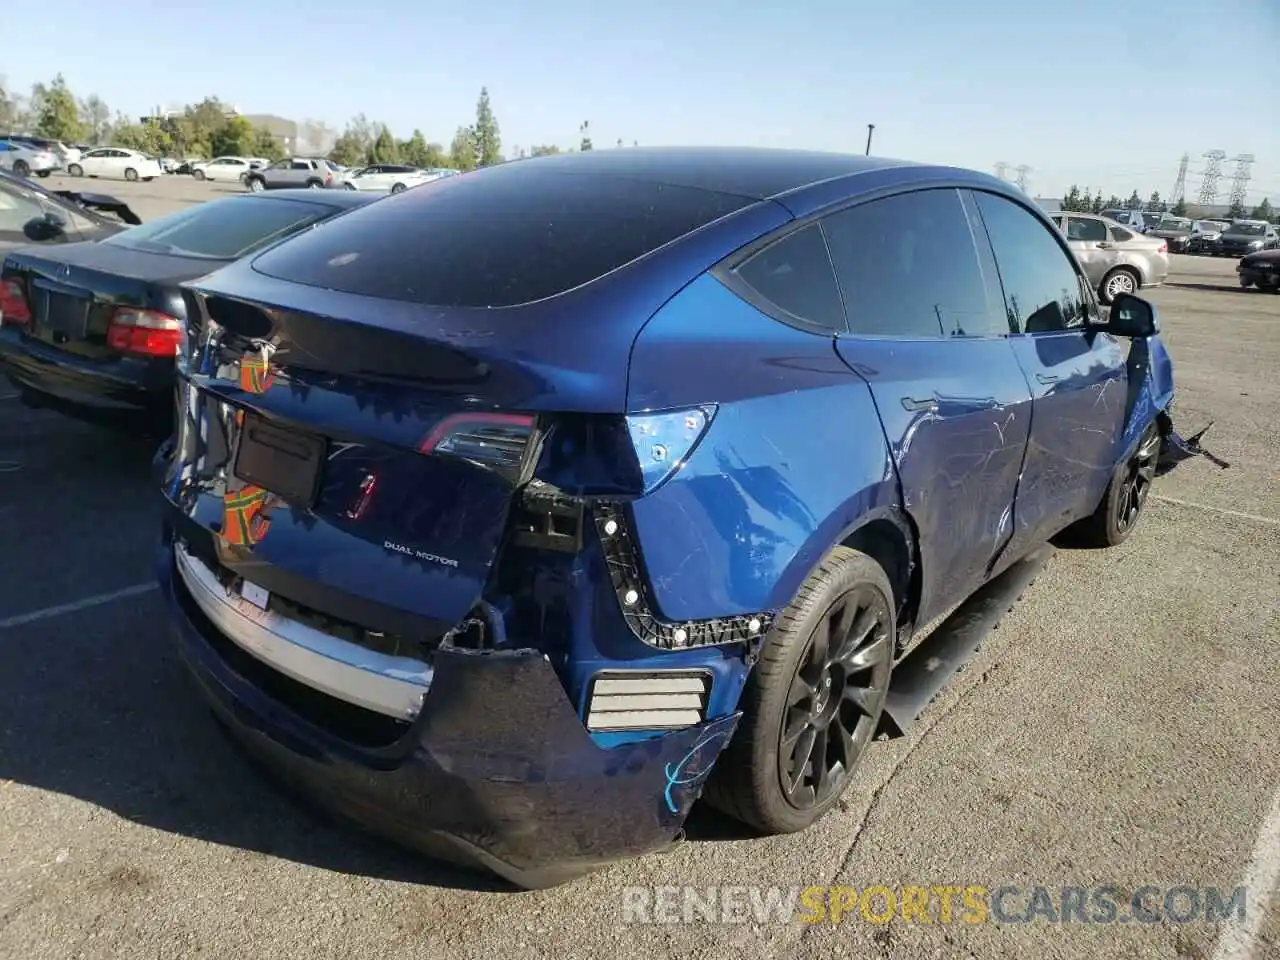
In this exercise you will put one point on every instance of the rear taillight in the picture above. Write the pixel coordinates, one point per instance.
(328, 179)
(14, 310)
(496, 440)
(148, 333)
(1164, 248)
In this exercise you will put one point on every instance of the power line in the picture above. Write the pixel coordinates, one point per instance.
(1240, 179)
(1212, 174)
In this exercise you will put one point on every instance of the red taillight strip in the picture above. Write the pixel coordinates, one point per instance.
(452, 422)
(14, 308)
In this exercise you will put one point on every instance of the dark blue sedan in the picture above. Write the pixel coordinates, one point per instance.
(507, 514)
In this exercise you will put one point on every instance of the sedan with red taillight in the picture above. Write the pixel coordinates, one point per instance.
(1114, 258)
(92, 329)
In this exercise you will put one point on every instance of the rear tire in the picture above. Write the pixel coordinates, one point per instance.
(75, 170)
(21, 168)
(1126, 495)
(398, 188)
(131, 175)
(256, 184)
(314, 185)
(198, 174)
(812, 704)
(44, 173)
(1119, 280)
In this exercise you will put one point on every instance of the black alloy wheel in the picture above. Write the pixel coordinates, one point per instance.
(1140, 473)
(836, 698)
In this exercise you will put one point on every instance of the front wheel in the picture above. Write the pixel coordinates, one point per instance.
(75, 170)
(199, 174)
(21, 168)
(813, 702)
(131, 175)
(1126, 495)
(398, 188)
(256, 185)
(44, 173)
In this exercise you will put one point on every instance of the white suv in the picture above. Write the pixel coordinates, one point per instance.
(23, 160)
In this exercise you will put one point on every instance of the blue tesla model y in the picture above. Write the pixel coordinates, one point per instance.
(511, 515)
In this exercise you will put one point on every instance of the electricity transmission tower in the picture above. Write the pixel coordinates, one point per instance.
(1022, 170)
(1240, 179)
(1179, 193)
(1212, 174)
(1002, 170)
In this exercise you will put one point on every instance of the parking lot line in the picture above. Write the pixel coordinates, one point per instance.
(1239, 515)
(75, 605)
(1260, 880)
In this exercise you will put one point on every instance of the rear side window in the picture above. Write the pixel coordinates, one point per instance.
(1042, 290)
(495, 238)
(223, 229)
(908, 267)
(794, 275)
(1120, 234)
(1086, 229)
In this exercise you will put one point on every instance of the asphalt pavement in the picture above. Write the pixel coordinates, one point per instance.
(1119, 729)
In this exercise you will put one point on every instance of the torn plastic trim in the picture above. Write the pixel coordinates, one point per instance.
(622, 557)
(1174, 449)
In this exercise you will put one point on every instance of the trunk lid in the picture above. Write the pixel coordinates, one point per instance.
(355, 471)
(74, 290)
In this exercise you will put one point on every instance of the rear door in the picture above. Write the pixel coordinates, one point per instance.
(1092, 245)
(927, 331)
(1078, 378)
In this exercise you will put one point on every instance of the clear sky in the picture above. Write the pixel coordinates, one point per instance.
(1101, 93)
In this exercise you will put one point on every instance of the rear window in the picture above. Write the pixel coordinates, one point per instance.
(495, 238)
(223, 229)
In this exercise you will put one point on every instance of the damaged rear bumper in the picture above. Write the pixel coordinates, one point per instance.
(496, 770)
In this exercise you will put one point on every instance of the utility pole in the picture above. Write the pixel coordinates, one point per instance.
(1212, 174)
(1002, 170)
(1021, 180)
(870, 130)
(1240, 179)
(1179, 193)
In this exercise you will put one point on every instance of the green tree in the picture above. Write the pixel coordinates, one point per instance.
(1236, 211)
(354, 145)
(1179, 209)
(1073, 200)
(1097, 205)
(462, 152)
(267, 146)
(1155, 204)
(59, 116)
(585, 132)
(1263, 211)
(385, 149)
(414, 150)
(1134, 202)
(236, 137)
(543, 151)
(1113, 203)
(148, 137)
(485, 135)
(96, 119)
(11, 108)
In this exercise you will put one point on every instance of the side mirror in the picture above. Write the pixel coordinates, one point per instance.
(1133, 317)
(45, 228)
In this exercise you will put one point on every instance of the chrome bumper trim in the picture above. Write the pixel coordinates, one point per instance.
(393, 686)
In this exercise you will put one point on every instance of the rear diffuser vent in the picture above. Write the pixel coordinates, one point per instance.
(641, 700)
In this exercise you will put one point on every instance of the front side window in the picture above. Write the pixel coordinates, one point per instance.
(908, 267)
(1042, 288)
(794, 275)
(223, 229)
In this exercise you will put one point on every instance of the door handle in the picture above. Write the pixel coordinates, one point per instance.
(1047, 378)
(912, 404)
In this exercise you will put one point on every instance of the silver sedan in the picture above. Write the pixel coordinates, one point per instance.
(1114, 258)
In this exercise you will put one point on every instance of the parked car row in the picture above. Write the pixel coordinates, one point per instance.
(381, 521)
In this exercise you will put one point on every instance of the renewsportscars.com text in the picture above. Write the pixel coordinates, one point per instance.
(938, 903)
